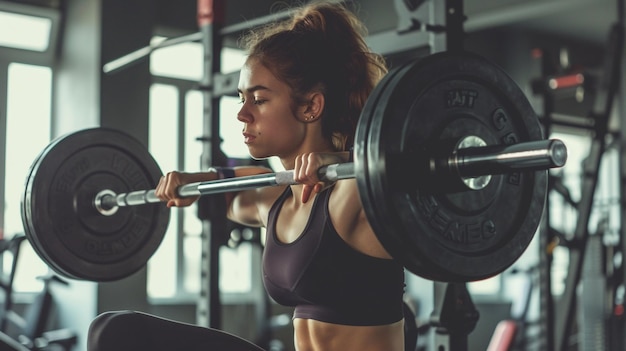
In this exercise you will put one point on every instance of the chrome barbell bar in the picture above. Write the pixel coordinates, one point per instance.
(466, 162)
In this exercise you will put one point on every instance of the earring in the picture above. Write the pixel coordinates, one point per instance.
(309, 118)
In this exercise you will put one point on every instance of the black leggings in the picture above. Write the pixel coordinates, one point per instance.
(136, 331)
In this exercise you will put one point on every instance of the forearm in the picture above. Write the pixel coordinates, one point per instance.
(215, 173)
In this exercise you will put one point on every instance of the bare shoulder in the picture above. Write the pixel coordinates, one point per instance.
(345, 197)
(350, 220)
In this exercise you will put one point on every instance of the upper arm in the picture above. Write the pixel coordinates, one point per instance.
(245, 207)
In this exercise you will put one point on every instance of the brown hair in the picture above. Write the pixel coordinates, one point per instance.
(322, 47)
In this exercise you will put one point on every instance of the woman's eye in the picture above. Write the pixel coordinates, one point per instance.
(242, 100)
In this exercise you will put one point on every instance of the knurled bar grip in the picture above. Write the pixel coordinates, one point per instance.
(470, 162)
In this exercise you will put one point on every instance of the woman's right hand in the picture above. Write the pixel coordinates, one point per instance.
(306, 168)
(167, 189)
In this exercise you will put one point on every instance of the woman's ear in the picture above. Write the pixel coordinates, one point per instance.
(315, 106)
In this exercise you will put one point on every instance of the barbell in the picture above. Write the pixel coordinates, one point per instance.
(450, 161)
(471, 165)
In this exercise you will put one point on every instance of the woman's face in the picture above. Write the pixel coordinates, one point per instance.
(267, 112)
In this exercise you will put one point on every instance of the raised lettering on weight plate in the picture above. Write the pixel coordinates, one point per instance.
(64, 182)
(460, 98)
(120, 244)
(454, 230)
(129, 171)
(499, 119)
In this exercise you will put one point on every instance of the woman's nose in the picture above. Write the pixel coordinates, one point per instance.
(243, 115)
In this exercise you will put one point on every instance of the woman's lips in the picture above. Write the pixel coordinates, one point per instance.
(248, 138)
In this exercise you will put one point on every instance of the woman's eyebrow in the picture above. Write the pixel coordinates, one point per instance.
(254, 88)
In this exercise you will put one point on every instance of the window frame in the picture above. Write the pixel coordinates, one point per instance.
(9, 55)
(40, 58)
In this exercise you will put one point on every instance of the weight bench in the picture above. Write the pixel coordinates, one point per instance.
(131, 331)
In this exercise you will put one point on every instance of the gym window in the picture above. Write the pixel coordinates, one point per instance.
(28, 36)
(24, 32)
(28, 104)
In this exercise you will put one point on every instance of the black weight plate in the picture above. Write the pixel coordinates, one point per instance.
(58, 212)
(372, 198)
(448, 236)
(363, 164)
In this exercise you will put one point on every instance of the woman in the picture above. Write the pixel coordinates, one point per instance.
(302, 89)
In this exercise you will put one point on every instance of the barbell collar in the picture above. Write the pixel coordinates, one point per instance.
(107, 201)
